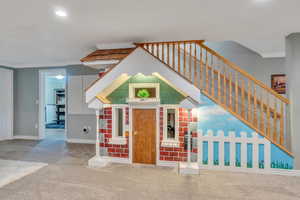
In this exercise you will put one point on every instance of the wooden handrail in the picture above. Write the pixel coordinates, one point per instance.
(170, 42)
(233, 84)
(235, 67)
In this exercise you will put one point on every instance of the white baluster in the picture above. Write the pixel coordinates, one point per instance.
(210, 148)
(255, 151)
(267, 153)
(244, 150)
(232, 148)
(221, 148)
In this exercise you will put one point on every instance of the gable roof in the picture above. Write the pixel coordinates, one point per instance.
(107, 54)
(140, 61)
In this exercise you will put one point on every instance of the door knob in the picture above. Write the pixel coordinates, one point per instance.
(135, 133)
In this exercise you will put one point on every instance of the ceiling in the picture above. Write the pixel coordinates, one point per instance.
(33, 36)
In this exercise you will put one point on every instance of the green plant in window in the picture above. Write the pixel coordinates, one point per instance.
(143, 93)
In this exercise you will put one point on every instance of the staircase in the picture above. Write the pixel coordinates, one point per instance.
(245, 97)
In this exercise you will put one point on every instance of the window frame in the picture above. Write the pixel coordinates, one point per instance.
(133, 86)
(116, 139)
(174, 142)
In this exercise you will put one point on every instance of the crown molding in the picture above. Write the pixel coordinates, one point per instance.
(273, 55)
(58, 64)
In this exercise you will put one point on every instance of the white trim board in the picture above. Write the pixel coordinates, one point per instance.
(100, 62)
(80, 141)
(162, 163)
(173, 141)
(279, 54)
(115, 138)
(25, 137)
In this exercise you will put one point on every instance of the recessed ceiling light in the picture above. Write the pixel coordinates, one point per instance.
(61, 13)
(59, 77)
(262, 1)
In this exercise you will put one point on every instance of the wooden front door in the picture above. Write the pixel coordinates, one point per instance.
(144, 136)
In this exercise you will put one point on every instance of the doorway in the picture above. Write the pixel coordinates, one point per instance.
(52, 109)
(144, 136)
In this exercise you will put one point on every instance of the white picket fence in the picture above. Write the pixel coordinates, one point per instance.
(255, 140)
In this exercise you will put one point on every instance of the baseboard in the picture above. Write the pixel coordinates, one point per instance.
(284, 172)
(167, 163)
(119, 160)
(80, 141)
(25, 137)
(4, 139)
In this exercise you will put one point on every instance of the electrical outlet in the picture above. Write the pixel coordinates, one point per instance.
(86, 130)
(36, 126)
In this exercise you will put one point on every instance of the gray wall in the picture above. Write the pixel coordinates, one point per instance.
(77, 122)
(293, 71)
(26, 94)
(26, 83)
(261, 68)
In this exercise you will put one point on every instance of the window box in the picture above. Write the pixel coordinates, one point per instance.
(118, 140)
(170, 143)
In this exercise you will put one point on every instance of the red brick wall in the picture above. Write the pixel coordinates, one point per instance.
(175, 153)
(166, 153)
(114, 150)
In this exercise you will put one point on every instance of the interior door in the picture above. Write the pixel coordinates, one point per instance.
(6, 104)
(144, 136)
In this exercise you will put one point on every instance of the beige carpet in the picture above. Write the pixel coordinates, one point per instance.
(11, 170)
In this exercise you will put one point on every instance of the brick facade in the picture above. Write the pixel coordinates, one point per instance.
(112, 150)
(166, 153)
(175, 153)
